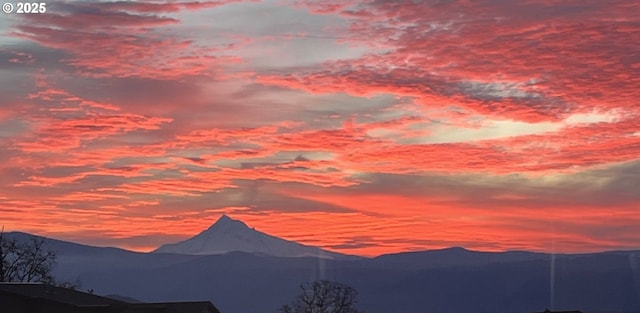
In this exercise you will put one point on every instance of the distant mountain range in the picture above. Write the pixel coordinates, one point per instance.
(228, 235)
(260, 279)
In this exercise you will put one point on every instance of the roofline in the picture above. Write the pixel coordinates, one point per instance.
(174, 302)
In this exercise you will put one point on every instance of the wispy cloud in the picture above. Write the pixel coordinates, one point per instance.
(363, 126)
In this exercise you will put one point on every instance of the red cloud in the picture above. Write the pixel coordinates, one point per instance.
(523, 68)
(111, 153)
(118, 39)
(160, 7)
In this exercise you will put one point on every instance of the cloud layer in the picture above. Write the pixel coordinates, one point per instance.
(366, 127)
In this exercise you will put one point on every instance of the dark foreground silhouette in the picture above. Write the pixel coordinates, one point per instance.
(447, 281)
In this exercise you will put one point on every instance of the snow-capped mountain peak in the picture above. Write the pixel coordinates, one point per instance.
(228, 224)
(227, 235)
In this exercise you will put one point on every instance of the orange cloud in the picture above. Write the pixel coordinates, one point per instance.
(375, 127)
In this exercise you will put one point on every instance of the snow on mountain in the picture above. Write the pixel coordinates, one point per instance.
(228, 235)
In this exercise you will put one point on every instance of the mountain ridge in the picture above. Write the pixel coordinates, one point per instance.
(412, 282)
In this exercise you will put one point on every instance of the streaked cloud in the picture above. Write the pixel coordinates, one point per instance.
(365, 127)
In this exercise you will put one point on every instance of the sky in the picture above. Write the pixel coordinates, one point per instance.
(363, 127)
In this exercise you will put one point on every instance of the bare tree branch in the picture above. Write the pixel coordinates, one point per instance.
(323, 297)
(25, 261)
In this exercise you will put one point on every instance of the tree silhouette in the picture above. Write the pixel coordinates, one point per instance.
(323, 296)
(28, 261)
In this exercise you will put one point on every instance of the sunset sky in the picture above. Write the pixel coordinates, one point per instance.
(364, 127)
